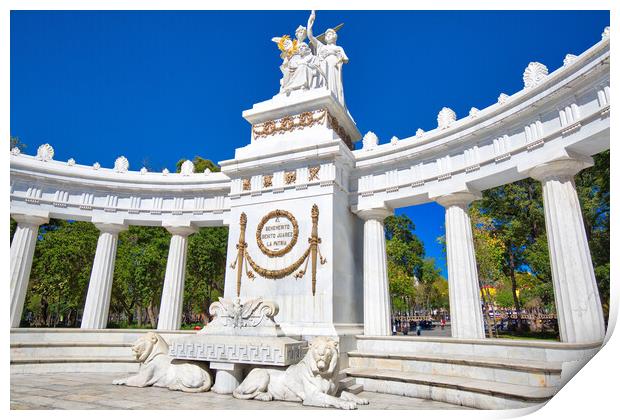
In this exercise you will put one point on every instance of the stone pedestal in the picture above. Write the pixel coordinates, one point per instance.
(376, 288)
(228, 376)
(22, 250)
(463, 287)
(298, 163)
(227, 354)
(100, 285)
(577, 301)
(172, 296)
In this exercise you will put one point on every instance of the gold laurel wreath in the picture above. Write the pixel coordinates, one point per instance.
(291, 50)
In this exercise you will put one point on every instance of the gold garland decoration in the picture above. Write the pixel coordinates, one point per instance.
(261, 224)
(277, 274)
(310, 254)
(289, 123)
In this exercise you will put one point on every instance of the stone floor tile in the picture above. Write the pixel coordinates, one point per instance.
(95, 391)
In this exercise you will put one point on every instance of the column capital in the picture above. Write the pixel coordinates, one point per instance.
(560, 168)
(113, 228)
(185, 230)
(378, 213)
(29, 219)
(461, 198)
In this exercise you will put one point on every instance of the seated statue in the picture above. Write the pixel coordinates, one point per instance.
(304, 71)
(159, 369)
(311, 381)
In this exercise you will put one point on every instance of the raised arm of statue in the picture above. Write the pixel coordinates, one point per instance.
(311, 36)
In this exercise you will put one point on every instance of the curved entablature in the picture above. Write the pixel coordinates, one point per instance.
(565, 113)
(41, 186)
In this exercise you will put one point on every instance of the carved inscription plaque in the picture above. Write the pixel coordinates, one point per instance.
(277, 233)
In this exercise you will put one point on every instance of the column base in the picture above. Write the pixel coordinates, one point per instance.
(228, 377)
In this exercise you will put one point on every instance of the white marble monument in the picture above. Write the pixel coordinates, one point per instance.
(293, 239)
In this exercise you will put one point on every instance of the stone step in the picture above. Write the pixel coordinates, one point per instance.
(69, 349)
(78, 335)
(73, 364)
(355, 389)
(71, 359)
(455, 390)
(538, 350)
(346, 382)
(512, 371)
(36, 368)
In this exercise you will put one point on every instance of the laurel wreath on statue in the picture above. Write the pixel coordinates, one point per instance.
(294, 48)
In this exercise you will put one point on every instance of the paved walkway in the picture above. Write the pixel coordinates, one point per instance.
(83, 391)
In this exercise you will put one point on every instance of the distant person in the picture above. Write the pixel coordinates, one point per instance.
(394, 329)
(443, 323)
(418, 329)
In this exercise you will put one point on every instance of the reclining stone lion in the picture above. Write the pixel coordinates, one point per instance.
(311, 381)
(159, 369)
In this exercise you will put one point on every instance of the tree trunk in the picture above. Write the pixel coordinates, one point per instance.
(150, 310)
(139, 313)
(494, 311)
(513, 280)
(486, 314)
(531, 198)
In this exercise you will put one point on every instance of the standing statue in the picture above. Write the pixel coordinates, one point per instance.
(331, 58)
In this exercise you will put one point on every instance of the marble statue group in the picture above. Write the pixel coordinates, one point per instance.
(317, 65)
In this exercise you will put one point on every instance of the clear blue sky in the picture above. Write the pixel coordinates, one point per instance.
(161, 86)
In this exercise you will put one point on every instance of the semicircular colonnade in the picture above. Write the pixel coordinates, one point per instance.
(549, 130)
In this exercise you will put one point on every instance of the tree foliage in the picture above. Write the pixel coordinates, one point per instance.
(511, 243)
(200, 164)
(206, 268)
(139, 271)
(61, 269)
(413, 279)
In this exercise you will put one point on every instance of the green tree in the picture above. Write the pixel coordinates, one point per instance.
(413, 279)
(139, 272)
(16, 142)
(405, 253)
(593, 189)
(206, 268)
(517, 219)
(61, 270)
(200, 164)
(428, 277)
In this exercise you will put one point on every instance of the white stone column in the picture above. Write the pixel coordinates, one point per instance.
(376, 288)
(577, 301)
(172, 296)
(463, 288)
(22, 250)
(100, 285)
